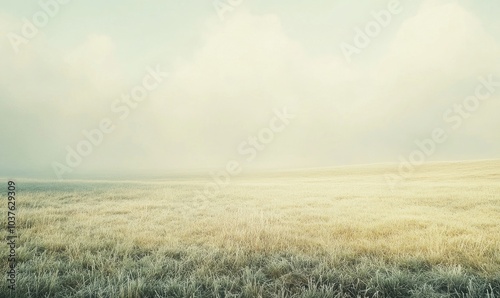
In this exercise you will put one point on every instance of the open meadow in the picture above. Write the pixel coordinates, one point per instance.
(337, 232)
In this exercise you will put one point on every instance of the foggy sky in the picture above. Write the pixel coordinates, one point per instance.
(222, 81)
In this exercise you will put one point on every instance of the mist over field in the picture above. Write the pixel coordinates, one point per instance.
(364, 81)
(232, 148)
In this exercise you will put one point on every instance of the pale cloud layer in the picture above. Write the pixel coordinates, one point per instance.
(226, 78)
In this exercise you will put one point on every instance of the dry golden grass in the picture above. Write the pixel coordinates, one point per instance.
(446, 216)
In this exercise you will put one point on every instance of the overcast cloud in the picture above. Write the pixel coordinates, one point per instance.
(226, 78)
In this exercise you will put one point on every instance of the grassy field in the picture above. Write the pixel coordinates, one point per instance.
(338, 232)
